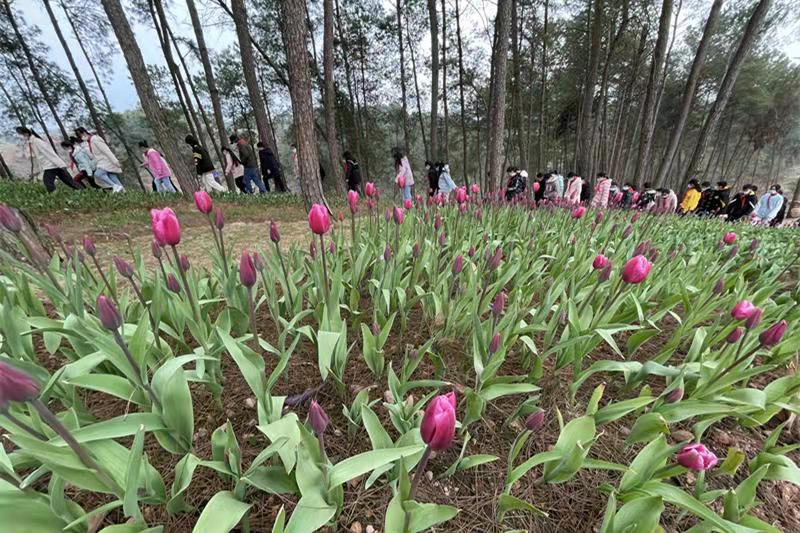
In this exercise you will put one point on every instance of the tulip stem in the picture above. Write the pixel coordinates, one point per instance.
(214, 234)
(23, 425)
(105, 280)
(149, 312)
(136, 369)
(252, 312)
(195, 310)
(324, 269)
(737, 362)
(285, 275)
(420, 471)
(222, 251)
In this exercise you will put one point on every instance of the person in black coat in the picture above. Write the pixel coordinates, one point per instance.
(540, 179)
(270, 168)
(433, 178)
(351, 172)
(742, 203)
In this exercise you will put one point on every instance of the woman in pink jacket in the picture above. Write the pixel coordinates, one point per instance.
(601, 191)
(158, 168)
(574, 188)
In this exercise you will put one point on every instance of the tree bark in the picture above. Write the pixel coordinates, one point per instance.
(726, 87)
(585, 133)
(540, 159)
(87, 96)
(416, 90)
(34, 69)
(690, 90)
(239, 12)
(446, 128)
(434, 79)
(147, 95)
(27, 93)
(330, 97)
(516, 75)
(354, 107)
(300, 92)
(497, 112)
(406, 132)
(461, 95)
(648, 115)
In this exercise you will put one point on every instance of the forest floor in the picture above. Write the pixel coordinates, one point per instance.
(574, 506)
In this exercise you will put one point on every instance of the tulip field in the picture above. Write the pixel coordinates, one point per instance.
(470, 365)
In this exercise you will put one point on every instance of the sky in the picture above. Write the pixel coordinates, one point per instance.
(478, 15)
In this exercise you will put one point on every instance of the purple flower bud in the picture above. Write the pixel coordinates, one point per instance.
(332, 247)
(443, 239)
(773, 335)
(494, 344)
(653, 255)
(184, 263)
(437, 222)
(605, 274)
(258, 261)
(636, 216)
(376, 329)
(675, 395)
(247, 269)
(312, 250)
(88, 246)
(9, 219)
(719, 288)
(627, 231)
(155, 249)
(108, 313)
(734, 336)
(458, 264)
(317, 418)
(15, 386)
(478, 215)
(274, 236)
(219, 219)
(398, 215)
(387, 215)
(387, 253)
(754, 319)
(52, 231)
(499, 304)
(415, 250)
(733, 251)
(720, 245)
(494, 262)
(471, 252)
(172, 283)
(534, 421)
(123, 267)
(754, 245)
(598, 217)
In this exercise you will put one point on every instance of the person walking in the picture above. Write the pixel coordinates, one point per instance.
(81, 164)
(203, 166)
(574, 188)
(446, 183)
(691, 197)
(601, 191)
(554, 186)
(270, 168)
(351, 172)
(250, 163)
(433, 178)
(107, 166)
(155, 164)
(403, 168)
(43, 155)
(234, 169)
(769, 205)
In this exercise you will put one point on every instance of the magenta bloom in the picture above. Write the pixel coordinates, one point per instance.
(219, 219)
(458, 265)
(636, 269)
(439, 422)
(247, 269)
(475, 189)
(203, 202)
(742, 310)
(754, 319)
(88, 246)
(317, 418)
(461, 195)
(319, 220)
(369, 189)
(9, 219)
(172, 283)
(166, 228)
(108, 314)
(729, 238)
(600, 262)
(696, 457)
(499, 303)
(274, 236)
(578, 212)
(16, 386)
(598, 218)
(734, 336)
(536, 186)
(352, 200)
(401, 181)
(123, 267)
(773, 335)
(398, 215)
(407, 205)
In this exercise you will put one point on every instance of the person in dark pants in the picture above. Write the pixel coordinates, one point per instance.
(742, 203)
(270, 168)
(204, 167)
(433, 178)
(351, 172)
(248, 158)
(80, 163)
(42, 154)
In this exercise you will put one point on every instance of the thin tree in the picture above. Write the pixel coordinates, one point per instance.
(497, 110)
(446, 132)
(330, 96)
(540, 159)
(147, 95)
(585, 131)
(406, 133)
(294, 34)
(751, 31)
(434, 78)
(689, 91)
(461, 95)
(416, 91)
(37, 76)
(649, 114)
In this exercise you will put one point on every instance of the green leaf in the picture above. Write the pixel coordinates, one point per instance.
(732, 462)
(498, 390)
(475, 460)
(507, 502)
(285, 428)
(221, 514)
(424, 516)
(310, 514)
(639, 516)
(644, 465)
(362, 463)
(617, 410)
(326, 346)
(646, 428)
(130, 504)
(28, 513)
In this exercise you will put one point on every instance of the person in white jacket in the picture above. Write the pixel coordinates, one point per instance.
(48, 161)
(107, 165)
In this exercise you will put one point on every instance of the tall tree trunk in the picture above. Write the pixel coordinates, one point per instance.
(406, 132)
(330, 97)
(273, 136)
(12, 104)
(87, 96)
(649, 115)
(5, 172)
(147, 95)
(366, 122)
(726, 87)
(27, 93)
(249, 67)
(354, 107)
(586, 131)
(434, 79)
(446, 132)
(515, 133)
(416, 92)
(461, 95)
(794, 207)
(294, 30)
(540, 159)
(689, 90)
(497, 111)
(211, 82)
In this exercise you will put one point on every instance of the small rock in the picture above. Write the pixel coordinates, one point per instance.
(681, 435)
(410, 400)
(355, 527)
(446, 491)
(337, 432)
(723, 437)
(388, 397)
(252, 422)
(250, 403)
(429, 475)
(371, 529)
(624, 430)
(229, 413)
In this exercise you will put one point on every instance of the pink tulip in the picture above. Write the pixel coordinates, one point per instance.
(317, 418)
(401, 181)
(536, 186)
(534, 421)
(173, 284)
(742, 310)
(494, 261)
(88, 246)
(773, 335)
(439, 422)
(123, 267)
(247, 269)
(458, 265)
(407, 204)
(719, 288)
(166, 228)
(696, 457)
(319, 220)
(734, 336)
(9, 219)
(675, 395)
(274, 236)
(578, 212)
(398, 215)
(418, 200)
(471, 252)
(475, 189)
(461, 195)
(203, 202)
(352, 200)
(415, 250)
(636, 216)
(729, 238)
(387, 215)
(636, 269)
(17, 386)
(600, 262)
(437, 222)
(108, 314)
(369, 189)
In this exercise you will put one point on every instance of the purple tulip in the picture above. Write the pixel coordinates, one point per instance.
(499, 304)
(773, 335)
(458, 265)
(438, 425)
(675, 395)
(627, 231)
(9, 219)
(219, 219)
(742, 310)
(247, 270)
(274, 236)
(734, 336)
(494, 344)
(317, 418)
(108, 314)
(88, 246)
(258, 261)
(173, 284)
(443, 239)
(534, 421)
(415, 250)
(15, 386)
(123, 267)
(494, 262)
(719, 288)
(600, 262)
(754, 319)
(387, 253)
(696, 457)
(605, 274)
(155, 249)
(184, 264)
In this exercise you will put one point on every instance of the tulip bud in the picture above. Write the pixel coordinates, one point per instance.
(401, 181)
(203, 202)
(734, 336)
(696, 457)
(494, 262)
(319, 220)
(312, 250)
(155, 249)
(184, 263)
(720, 245)
(219, 219)
(88, 246)
(754, 319)
(352, 200)
(474, 188)
(407, 205)
(471, 252)
(332, 247)
(172, 283)
(123, 267)
(258, 261)
(653, 255)
(742, 310)
(605, 274)
(733, 251)
(534, 421)
(719, 288)
(578, 212)
(773, 335)
(636, 269)
(600, 262)
(387, 215)
(494, 344)
(499, 304)
(729, 238)
(15, 385)
(437, 222)
(398, 215)
(108, 314)
(415, 250)
(478, 215)
(418, 200)
(443, 239)
(458, 265)
(247, 269)
(376, 329)
(274, 236)
(636, 216)
(754, 245)
(627, 231)
(369, 189)
(9, 219)
(438, 425)
(317, 418)
(675, 395)
(598, 217)
(387, 253)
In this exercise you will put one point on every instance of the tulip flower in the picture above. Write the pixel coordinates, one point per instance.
(88, 246)
(247, 269)
(471, 252)
(9, 219)
(398, 215)
(166, 228)
(742, 310)
(387, 215)
(443, 239)
(598, 218)
(461, 195)
(173, 284)
(401, 181)
(415, 250)
(499, 304)
(369, 189)
(155, 249)
(719, 288)
(123, 267)
(387, 253)
(438, 425)
(534, 421)
(773, 335)
(15, 386)
(274, 236)
(696, 457)
(600, 262)
(319, 220)
(437, 222)
(729, 238)
(675, 395)
(494, 262)
(754, 245)
(203, 202)
(627, 231)
(475, 188)
(734, 336)
(108, 314)
(536, 186)
(418, 200)
(578, 212)
(733, 251)
(219, 219)
(184, 263)
(352, 200)
(407, 204)
(494, 344)
(458, 265)
(754, 319)
(636, 269)
(317, 418)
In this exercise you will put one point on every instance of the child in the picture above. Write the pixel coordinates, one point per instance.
(446, 183)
